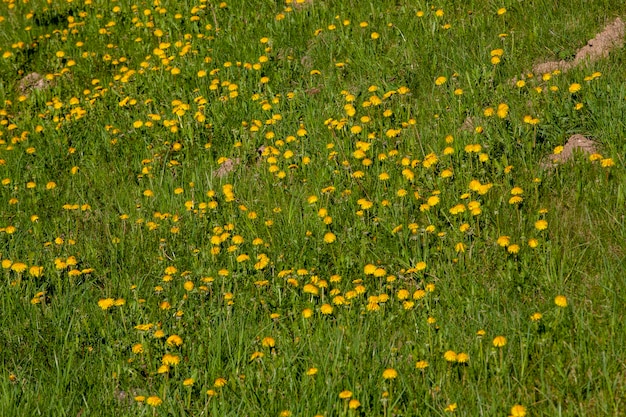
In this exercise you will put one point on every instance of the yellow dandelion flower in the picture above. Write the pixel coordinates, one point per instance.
(541, 225)
(503, 241)
(345, 394)
(513, 249)
(365, 204)
(503, 110)
(419, 294)
(174, 340)
(574, 88)
(19, 267)
(154, 401)
(268, 342)
(369, 269)
(242, 258)
(421, 364)
(451, 408)
(390, 373)
(403, 294)
(446, 173)
(171, 270)
(518, 411)
(450, 356)
(440, 80)
(106, 303)
(353, 404)
(607, 162)
(462, 357)
(380, 272)
(310, 289)
(499, 341)
(169, 359)
(560, 301)
(326, 309)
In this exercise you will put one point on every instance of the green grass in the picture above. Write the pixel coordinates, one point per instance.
(360, 230)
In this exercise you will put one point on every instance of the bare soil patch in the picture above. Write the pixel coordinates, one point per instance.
(31, 82)
(610, 38)
(468, 125)
(226, 167)
(575, 144)
(300, 4)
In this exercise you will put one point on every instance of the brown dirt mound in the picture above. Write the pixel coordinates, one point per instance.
(32, 81)
(576, 143)
(599, 47)
(300, 4)
(226, 167)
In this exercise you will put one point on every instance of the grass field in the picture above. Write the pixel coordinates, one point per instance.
(310, 208)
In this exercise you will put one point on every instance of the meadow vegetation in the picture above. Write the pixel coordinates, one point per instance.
(310, 208)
